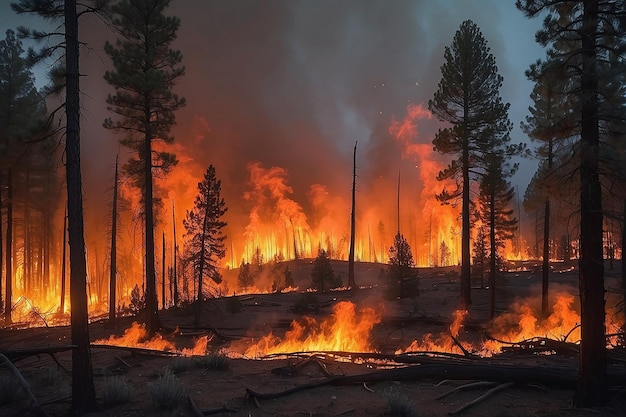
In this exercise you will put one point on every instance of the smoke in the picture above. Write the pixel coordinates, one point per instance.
(289, 87)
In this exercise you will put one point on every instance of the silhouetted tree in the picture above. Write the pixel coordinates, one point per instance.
(203, 225)
(402, 275)
(588, 39)
(480, 253)
(245, 279)
(83, 390)
(145, 70)
(323, 275)
(468, 99)
(495, 195)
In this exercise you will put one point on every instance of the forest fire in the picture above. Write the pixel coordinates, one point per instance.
(137, 336)
(345, 330)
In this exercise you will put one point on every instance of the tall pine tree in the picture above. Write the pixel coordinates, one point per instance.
(588, 37)
(495, 195)
(203, 225)
(145, 70)
(468, 100)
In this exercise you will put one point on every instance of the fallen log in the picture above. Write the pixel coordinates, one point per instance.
(137, 350)
(19, 354)
(560, 377)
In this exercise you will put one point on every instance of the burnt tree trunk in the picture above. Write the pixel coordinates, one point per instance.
(113, 269)
(83, 390)
(493, 249)
(351, 280)
(545, 269)
(174, 271)
(592, 380)
(9, 250)
(63, 263)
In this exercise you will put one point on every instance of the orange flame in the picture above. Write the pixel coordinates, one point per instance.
(445, 342)
(346, 330)
(137, 336)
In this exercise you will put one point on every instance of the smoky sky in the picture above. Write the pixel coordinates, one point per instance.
(295, 83)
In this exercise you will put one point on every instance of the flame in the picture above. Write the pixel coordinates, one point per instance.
(445, 342)
(137, 336)
(345, 330)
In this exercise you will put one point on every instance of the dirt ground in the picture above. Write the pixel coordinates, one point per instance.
(401, 322)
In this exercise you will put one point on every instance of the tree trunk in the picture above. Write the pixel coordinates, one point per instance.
(163, 273)
(83, 390)
(466, 284)
(63, 263)
(351, 281)
(624, 261)
(1, 234)
(592, 380)
(545, 269)
(201, 266)
(8, 303)
(113, 269)
(493, 249)
(174, 271)
(153, 322)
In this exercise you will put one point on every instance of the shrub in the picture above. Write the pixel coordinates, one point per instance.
(323, 277)
(305, 303)
(181, 364)
(167, 391)
(399, 404)
(233, 305)
(116, 390)
(213, 361)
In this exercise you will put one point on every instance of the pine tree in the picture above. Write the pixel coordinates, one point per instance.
(323, 275)
(145, 70)
(203, 226)
(495, 195)
(402, 274)
(245, 279)
(550, 123)
(468, 99)
(588, 38)
(480, 253)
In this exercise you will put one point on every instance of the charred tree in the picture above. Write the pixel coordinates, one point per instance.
(113, 255)
(8, 306)
(351, 281)
(145, 70)
(590, 38)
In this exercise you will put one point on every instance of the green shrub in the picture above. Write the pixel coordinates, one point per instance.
(167, 391)
(116, 390)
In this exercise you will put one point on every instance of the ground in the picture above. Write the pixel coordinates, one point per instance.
(401, 322)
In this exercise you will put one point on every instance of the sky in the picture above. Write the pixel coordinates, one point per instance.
(294, 84)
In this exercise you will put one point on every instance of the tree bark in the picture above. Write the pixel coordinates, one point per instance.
(174, 271)
(351, 280)
(8, 304)
(113, 269)
(153, 323)
(592, 380)
(545, 269)
(493, 249)
(83, 390)
(466, 284)
(63, 263)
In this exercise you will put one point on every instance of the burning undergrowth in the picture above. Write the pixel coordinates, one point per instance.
(350, 328)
